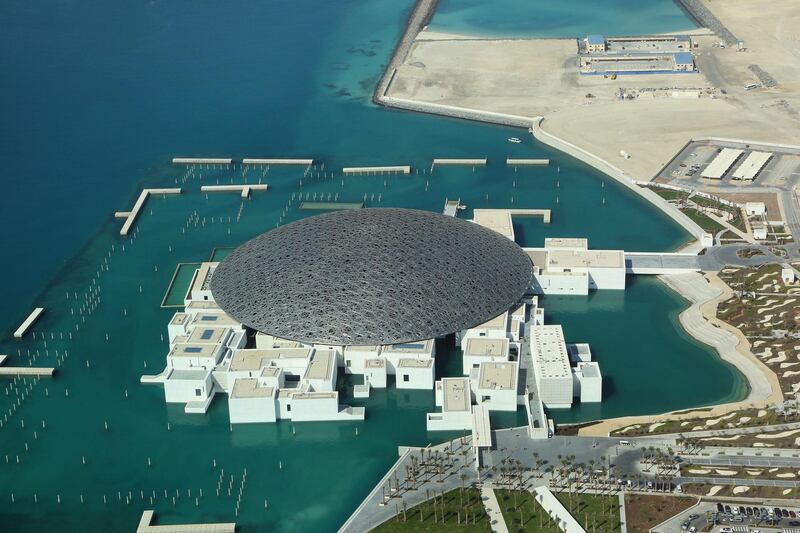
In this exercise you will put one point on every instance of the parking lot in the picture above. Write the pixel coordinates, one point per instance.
(686, 169)
(727, 517)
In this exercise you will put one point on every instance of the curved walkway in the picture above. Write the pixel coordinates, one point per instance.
(700, 321)
(620, 175)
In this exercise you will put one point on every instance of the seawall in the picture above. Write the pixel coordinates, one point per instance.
(620, 175)
(704, 17)
(420, 16)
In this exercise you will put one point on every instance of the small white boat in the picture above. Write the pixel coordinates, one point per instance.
(515, 140)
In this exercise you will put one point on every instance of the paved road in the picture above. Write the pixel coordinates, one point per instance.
(717, 257)
(771, 462)
(738, 481)
(737, 431)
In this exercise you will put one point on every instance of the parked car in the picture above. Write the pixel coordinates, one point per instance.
(725, 529)
(748, 511)
(720, 508)
(785, 513)
(728, 509)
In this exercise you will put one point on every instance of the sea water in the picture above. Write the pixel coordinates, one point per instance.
(544, 18)
(98, 98)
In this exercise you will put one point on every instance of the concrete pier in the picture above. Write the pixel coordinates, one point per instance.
(257, 161)
(396, 169)
(25, 326)
(26, 371)
(469, 162)
(451, 207)
(145, 526)
(133, 213)
(330, 206)
(245, 190)
(527, 162)
(201, 161)
(544, 213)
(420, 16)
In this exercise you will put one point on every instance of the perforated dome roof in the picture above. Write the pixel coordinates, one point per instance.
(370, 277)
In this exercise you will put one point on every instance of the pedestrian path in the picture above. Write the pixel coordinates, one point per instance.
(492, 506)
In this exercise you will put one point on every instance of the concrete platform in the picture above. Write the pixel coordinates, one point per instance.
(145, 526)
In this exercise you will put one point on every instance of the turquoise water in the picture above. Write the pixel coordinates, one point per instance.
(97, 98)
(181, 280)
(542, 18)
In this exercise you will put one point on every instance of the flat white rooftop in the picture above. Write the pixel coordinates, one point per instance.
(497, 323)
(375, 363)
(253, 359)
(456, 395)
(203, 279)
(586, 259)
(315, 395)
(575, 243)
(550, 352)
(498, 220)
(362, 349)
(407, 348)
(752, 165)
(481, 347)
(187, 349)
(214, 319)
(720, 165)
(321, 365)
(249, 388)
(207, 335)
(415, 363)
(498, 376)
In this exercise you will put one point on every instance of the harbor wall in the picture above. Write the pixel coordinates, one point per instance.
(705, 18)
(620, 175)
(420, 16)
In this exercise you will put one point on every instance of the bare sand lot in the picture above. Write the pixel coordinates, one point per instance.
(528, 77)
(538, 77)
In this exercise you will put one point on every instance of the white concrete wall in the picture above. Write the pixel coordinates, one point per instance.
(449, 421)
(376, 377)
(315, 409)
(607, 278)
(560, 284)
(185, 390)
(418, 378)
(251, 410)
(555, 392)
(496, 399)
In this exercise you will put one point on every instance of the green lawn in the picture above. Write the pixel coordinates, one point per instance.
(709, 225)
(669, 194)
(459, 506)
(599, 513)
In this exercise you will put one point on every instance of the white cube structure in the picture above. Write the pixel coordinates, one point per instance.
(188, 385)
(496, 385)
(479, 350)
(375, 372)
(588, 382)
(414, 374)
(251, 402)
(321, 371)
(455, 398)
(551, 366)
(355, 357)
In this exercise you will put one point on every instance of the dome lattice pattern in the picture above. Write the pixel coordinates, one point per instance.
(371, 276)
